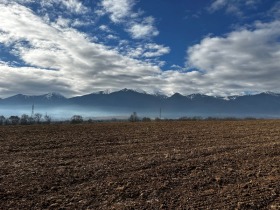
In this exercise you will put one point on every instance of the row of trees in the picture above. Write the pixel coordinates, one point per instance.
(25, 119)
(46, 119)
(76, 119)
(134, 118)
(35, 119)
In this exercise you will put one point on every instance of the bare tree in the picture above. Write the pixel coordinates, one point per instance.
(157, 119)
(133, 117)
(146, 119)
(24, 120)
(31, 120)
(38, 117)
(48, 119)
(14, 120)
(76, 119)
(2, 120)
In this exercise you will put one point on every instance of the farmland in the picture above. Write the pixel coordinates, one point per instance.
(153, 165)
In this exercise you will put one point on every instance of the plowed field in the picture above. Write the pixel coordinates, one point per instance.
(162, 165)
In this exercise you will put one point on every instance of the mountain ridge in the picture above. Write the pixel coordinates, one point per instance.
(127, 100)
(157, 93)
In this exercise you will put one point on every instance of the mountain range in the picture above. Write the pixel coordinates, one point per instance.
(126, 101)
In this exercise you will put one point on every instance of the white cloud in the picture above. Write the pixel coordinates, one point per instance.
(63, 22)
(105, 28)
(112, 37)
(155, 50)
(147, 50)
(218, 4)
(17, 1)
(81, 64)
(73, 6)
(29, 80)
(121, 11)
(118, 10)
(68, 61)
(233, 6)
(247, 59)
(79, 23)
(144, 29)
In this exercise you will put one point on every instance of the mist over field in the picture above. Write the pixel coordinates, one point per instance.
(121, 104)
(66, 112)
(62, 113)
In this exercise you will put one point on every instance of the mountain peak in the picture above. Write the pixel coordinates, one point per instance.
(133, 90)
(270, 93)
(18, 96)
(53, 95)
(177, 95)
(126, 90)
(103, 92)
(159, 94)
(195, 95)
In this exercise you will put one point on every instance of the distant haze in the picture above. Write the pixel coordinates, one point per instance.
(120, 104)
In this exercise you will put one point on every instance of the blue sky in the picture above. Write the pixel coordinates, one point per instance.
(214, 47)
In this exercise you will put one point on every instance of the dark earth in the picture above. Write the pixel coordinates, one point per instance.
(153, 165)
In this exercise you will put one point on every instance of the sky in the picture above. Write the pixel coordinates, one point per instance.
(74, 47)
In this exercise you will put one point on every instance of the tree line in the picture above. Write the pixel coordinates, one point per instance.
(46, 119)
(78, 119)
(25, 119)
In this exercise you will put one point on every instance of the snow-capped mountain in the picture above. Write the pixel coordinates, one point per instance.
(127, 100)
(107, 91)
(20, 99)
(53, 95)
(195, 96)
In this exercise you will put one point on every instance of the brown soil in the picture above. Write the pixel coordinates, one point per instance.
(163, 165)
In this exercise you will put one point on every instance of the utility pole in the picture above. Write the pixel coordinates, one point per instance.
(32, 112)
(160, 113)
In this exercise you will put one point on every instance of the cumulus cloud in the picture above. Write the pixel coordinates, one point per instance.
(233, 6)
(79, 62)
(63, 22)
(217, 4)
(32, 81)
(148, 50)
(73, 6)
(58, 58)
(112, 37)
(105, 28)
(247, 59)
(18, 1)
(121, 11)
(118, 10)
(145, 29)
(156, 50)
